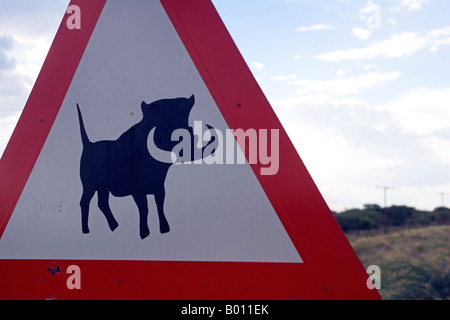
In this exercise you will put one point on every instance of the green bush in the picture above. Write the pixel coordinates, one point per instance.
(417, 282)
(356, 219)
(442, 215)
(373, 217)
(398, 215)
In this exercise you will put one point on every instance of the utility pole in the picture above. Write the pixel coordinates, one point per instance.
(385, 188)
(442, 194)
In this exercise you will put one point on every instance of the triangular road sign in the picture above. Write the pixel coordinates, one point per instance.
(148, 164)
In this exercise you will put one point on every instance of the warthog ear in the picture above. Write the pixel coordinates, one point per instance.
(149, 108)
(191, 102)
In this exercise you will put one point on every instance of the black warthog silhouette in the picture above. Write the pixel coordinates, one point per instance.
(126, 167)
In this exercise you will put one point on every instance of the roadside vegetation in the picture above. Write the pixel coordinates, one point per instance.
(411, 247)
(373, 219)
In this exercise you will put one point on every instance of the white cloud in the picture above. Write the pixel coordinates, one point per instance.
(413, 5)
(398, 45)
(317, 142)
(437, 146)
(345, 86)
(317, 99)
(343, 71)
(33, 19)
(284, 77)
(315, 27)
(392, 21)
(31, 29)
(369, 8)
(371, 13)
(422, 111)
(361, 33)
(370, 67)
(257, 65)
(383, 163)
(7, 125)
(30, 54)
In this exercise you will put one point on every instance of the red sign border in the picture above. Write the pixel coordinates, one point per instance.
(331, 269)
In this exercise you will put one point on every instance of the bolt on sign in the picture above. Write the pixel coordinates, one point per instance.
(148, 164)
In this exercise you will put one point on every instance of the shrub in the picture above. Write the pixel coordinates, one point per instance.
(417, 282)
(356, 219)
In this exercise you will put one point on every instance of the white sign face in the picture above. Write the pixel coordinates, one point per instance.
(215, 212)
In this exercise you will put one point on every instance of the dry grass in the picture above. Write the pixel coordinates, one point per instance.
(420, 255)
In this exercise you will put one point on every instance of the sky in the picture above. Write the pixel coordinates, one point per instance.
(361, 87)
